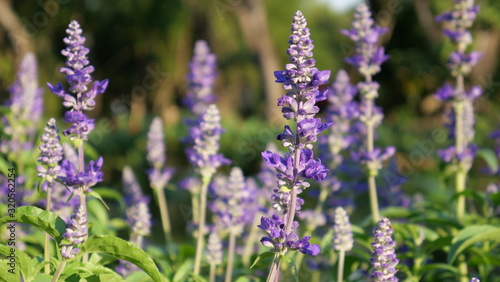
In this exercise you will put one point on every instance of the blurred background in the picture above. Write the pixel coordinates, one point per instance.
(130, 41)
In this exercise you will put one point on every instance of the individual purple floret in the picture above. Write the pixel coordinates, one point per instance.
(213, 253)
(206, 135)
(280, 241)
(159, 175)
(342, 232)
(26, 106)
(474, 279)
(50, 154)
(201, 79)
(79, 96)
(383, 259)
(368, 56)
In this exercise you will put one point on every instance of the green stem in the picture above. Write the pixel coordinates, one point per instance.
(165, 219)
(46, 250)
(213, 269)
(275, 269)
(59, 270)
(201, 226)
(230, 256)
(373, 198)
(340, 272)
(462, 269)
(252, 236)
(83, 202)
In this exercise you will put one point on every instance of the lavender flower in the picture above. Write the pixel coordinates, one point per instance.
(26, 106)
(79, 97)
(383, 259)
(234, 201)
(214, 249)
(76, 232)
(342, 232)
(201, 79)
(138, 216)
(367, 58)
(206, 135)
(159, 175)
(474, 279)
(461, 115)
(50, 154)
(301, 80)
(279, 240)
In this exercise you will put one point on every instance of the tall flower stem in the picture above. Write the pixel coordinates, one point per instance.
(461, 174)
(46, 251)
(83, 201)
(252, 236)
(213, 269)
(340, 271)
(275, 269)
(59, 270)
(201, 226)
(165, 219)
(230, 256)
(293, 196)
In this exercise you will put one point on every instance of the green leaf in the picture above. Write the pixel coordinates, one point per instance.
(103, 277)
(23, 261)
(120, 249)
(294, 267)
(6, 271)
(183, 271)
(43, 278)
(112, 194)
(440, 267)
(396, 212)
(490, 157)
(45, 220)
(138, 276)
(262, 256)
(471, 235)
(97, 196)
(4, 166)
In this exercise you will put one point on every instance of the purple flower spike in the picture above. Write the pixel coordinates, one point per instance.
(76, 232)
(214, 249)
(474, 279)
(51, 153)
(26, 107)
(201, 79)
(79, 96)
(206, 137)
(367, 56)
(459, 20)
(383, 259)
(342, 232)
(138, 215)
(159, 176)
(301, 80)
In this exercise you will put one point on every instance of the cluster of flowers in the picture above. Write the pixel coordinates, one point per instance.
(461, 114)
(301, 80)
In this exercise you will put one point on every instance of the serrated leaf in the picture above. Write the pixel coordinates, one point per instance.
(489, 157)
(120, 249)
(471, 235)
(45, 220)
(263, 256)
